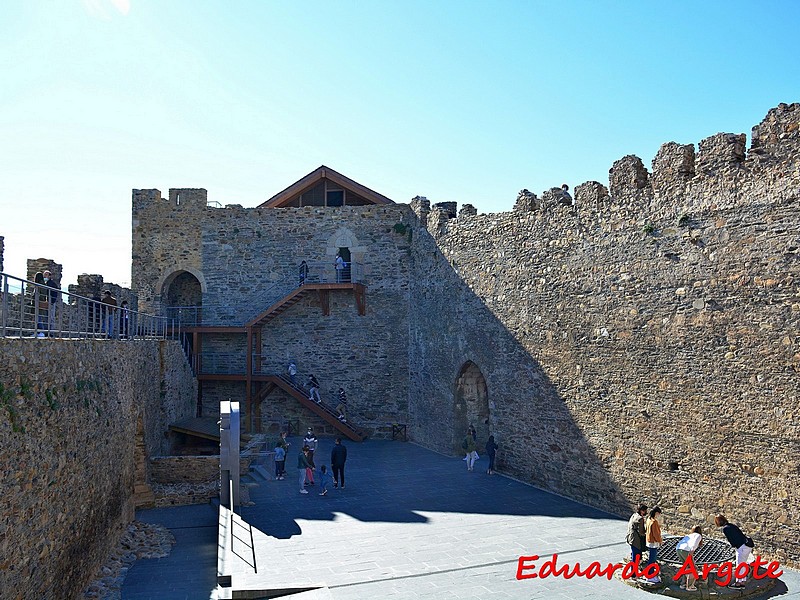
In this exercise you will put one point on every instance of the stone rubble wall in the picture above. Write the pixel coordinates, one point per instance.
(633, 352)
(68, 420)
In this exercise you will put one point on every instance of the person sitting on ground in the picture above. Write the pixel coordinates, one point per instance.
(654, 539)
(313, 389)
(738, 540)
(566, 198)
(341, 408)
(685, 549)
(324, 479)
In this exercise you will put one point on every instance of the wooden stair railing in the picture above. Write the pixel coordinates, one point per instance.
(320, 409)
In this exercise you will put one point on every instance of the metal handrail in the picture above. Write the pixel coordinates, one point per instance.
(30, 309)
(292, 279)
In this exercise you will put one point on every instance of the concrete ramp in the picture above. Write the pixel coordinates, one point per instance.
(240, 544)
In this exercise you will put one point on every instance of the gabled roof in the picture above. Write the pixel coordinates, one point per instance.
(313, 178)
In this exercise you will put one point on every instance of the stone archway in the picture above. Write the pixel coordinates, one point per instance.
(182, 297)
(470, 405)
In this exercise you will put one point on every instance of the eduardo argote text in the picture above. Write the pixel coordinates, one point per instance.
(528, 567)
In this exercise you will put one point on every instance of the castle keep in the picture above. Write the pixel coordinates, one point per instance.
(639, 344)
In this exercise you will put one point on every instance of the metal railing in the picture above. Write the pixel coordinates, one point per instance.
(29, 309)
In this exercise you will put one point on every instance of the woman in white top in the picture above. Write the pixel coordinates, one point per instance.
(686, 547)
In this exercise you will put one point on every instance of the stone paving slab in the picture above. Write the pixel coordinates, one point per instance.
(410, 524)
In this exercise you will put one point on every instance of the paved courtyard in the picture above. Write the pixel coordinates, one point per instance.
(410, 524)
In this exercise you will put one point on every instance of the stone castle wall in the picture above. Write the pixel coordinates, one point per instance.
(632, 351)
(69, 412)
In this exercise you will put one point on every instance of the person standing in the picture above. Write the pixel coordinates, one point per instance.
(292, 369)
(41, 304)
(109, 313)
(339, 263)
(302, 467)
(53, 299)
(636, 533)
(303, 272)
(738, 540)
(280, 462)
(124, 320)
(338, 458)
(491, 452)
(468, 445)
(310, 443)
(653, 539)
(341, 408)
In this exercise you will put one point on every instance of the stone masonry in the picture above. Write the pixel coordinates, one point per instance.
(633, 350)
(69, 411)
(639, 345)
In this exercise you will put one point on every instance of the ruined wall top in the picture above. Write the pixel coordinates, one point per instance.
(722, 173)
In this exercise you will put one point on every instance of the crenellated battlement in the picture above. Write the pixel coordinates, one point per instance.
(721, 173)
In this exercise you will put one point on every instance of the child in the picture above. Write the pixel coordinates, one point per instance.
(280, 462)
(324, 479)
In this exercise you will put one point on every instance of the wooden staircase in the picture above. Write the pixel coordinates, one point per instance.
(280, 306)
(323, 410)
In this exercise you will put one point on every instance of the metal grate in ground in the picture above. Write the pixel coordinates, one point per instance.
(712, 551)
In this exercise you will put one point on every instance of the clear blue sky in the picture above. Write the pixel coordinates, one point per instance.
(454, 100)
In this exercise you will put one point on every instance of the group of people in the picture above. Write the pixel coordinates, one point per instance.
(306, 465)
(340, 264)
(470, 446)
(313, 391)
(644, 531)
(114, 318)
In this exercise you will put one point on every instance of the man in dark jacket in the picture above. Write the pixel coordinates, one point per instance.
(53, 297)
(338, 458)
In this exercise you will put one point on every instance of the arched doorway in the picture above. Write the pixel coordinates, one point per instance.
(471, 405)
(182, 298)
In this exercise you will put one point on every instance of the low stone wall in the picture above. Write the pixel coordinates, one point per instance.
(69, 411)
(188, 469)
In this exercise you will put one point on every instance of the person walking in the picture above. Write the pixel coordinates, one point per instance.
(338, 458)
(302, 467)
(292, 369)
(324, 480)
(313, 389)
(341, 408)
(491, 451)
(636, 533)
(740, 542)
(468, 445)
